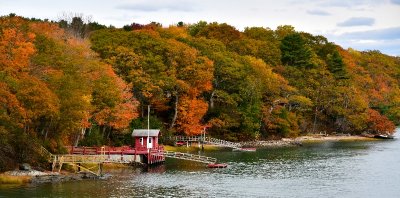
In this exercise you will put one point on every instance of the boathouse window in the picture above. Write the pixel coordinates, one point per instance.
(141, 141)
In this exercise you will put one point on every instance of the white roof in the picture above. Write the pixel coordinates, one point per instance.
(145, 132)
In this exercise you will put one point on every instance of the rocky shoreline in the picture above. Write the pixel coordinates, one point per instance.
(269, 143)
(39, 177)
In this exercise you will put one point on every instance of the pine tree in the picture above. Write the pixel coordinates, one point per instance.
(336, 65)
(295, 52)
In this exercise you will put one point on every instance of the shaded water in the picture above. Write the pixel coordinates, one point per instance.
(330, 169)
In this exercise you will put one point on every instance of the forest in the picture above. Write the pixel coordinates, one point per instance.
(76, 82)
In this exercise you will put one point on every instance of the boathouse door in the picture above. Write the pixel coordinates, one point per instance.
(150, 142)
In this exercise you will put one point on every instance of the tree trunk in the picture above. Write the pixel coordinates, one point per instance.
(48, 128)
(212, 99)
(315, 120)
(142, 111)
(78, 137)
(175, 113)
(103, 130)
(109, 132)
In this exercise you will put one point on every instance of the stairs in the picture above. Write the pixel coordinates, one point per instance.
(77, 160)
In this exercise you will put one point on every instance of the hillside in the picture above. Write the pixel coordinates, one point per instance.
(66, 83)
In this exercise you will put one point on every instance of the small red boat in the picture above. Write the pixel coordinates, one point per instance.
(217, 165)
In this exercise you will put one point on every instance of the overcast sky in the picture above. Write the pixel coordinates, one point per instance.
(360, 24)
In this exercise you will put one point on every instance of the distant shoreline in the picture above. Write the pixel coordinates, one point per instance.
(305, 139)
(284, 142)
(334, 138)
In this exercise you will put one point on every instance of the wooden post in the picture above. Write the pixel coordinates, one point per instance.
(100, 168)
(203, 138)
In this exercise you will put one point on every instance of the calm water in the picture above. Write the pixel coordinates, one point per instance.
(331, 169)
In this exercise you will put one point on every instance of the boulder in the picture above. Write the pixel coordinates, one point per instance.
(25, 166)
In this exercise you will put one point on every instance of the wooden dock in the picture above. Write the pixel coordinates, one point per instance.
(78, 160)
(97, 156)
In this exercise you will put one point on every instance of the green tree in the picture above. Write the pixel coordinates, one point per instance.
(295, 52)
(336, 65)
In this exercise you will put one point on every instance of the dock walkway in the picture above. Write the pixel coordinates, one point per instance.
(207, 140)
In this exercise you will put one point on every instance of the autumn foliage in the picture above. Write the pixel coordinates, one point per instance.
(379, 124)
(64, 88)
(54, 87)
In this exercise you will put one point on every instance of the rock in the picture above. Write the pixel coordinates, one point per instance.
(55, 178)
(25, 167)
(105, 176)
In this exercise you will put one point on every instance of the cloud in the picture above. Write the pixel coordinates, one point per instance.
(318, 12)
(159, 5)
(395, 2)
(385, 40)
(380, 34)
(351, 3)
(336, 3)
(357, 21)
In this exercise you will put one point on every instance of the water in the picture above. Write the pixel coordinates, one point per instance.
(330, 169)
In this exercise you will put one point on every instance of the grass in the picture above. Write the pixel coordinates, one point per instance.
(111, 166)
(10, 179)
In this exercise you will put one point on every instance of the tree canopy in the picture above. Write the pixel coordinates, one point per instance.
(68, 81)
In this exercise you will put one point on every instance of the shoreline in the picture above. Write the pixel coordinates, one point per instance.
(284, 142)
(304, 139)
(32, 176)
(317, 138)
(21, 177)
(37, 177)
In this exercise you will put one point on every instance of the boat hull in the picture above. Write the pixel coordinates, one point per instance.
(217, 165)
(384, 137)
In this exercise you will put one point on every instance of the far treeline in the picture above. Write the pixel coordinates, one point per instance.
(76, 82)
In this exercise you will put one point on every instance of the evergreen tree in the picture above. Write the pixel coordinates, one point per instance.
(336, 65)
(295, 52)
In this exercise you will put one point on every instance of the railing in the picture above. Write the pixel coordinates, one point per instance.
(222, 142)
(209, 140)
(45, 153)
(105, 150)
(188, 138)
(80, 158)
(190, 157)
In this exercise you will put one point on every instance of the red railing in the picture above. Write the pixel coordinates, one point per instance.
(107, 150)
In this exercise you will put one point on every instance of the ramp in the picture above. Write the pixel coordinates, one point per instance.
(190, 157)
(208, 140)
(225, 143)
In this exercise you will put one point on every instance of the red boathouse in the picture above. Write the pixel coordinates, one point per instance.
(146, 143)
(145, 150)
(145, 138)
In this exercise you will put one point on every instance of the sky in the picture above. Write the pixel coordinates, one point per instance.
(359, 24)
